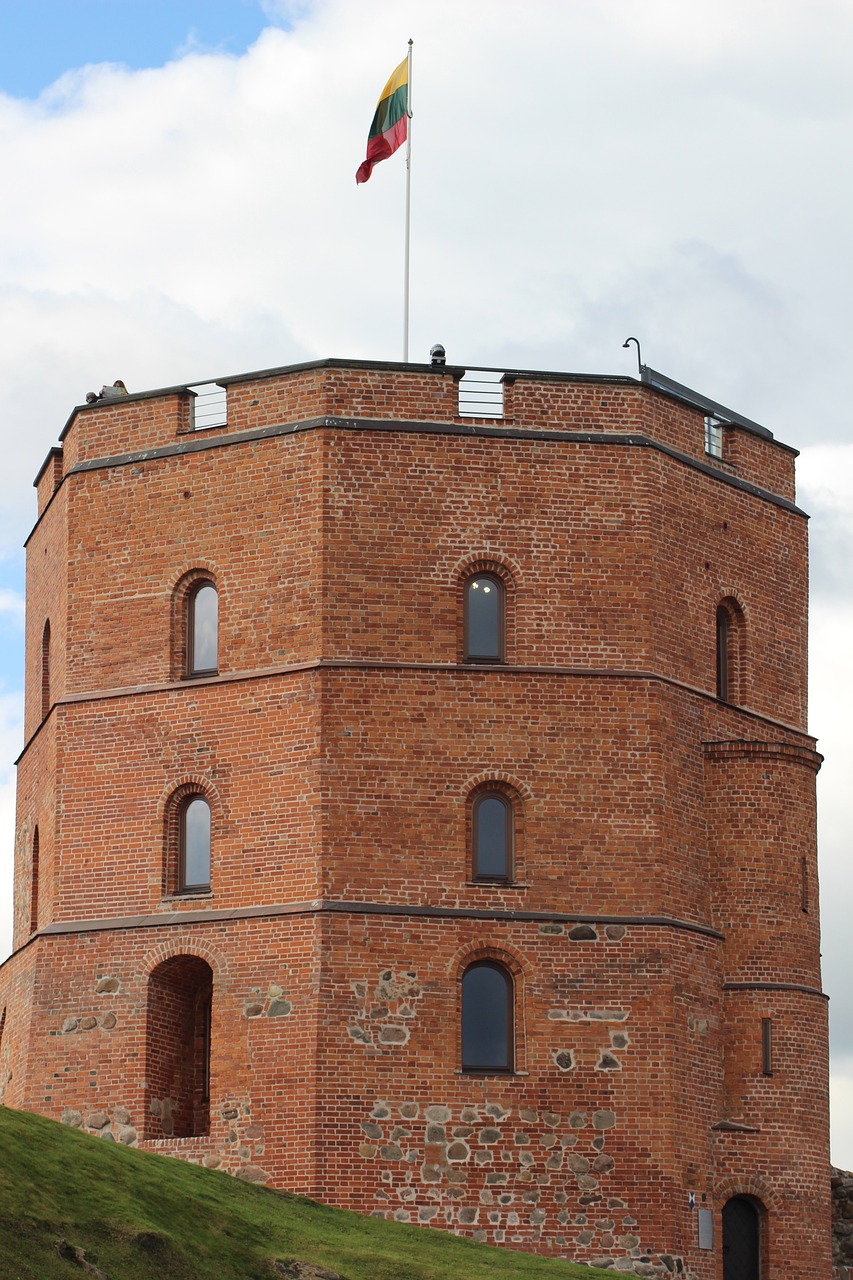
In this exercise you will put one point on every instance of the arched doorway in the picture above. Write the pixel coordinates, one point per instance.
(741, 1239)
(178, 1048)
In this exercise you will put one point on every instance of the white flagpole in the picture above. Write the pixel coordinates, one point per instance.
(408, 208)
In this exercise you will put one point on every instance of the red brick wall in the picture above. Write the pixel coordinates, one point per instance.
(657, 912)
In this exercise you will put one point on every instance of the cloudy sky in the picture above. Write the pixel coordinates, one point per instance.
(179, 203)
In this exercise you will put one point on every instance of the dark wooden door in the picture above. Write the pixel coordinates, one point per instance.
(741, 1240)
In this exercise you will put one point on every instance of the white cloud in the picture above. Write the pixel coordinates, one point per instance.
(841, 1106)
(11, 733)
(11, 607)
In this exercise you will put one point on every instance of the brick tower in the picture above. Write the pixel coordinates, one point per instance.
(417, 809)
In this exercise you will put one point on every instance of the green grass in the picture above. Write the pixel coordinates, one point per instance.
(144, 1217)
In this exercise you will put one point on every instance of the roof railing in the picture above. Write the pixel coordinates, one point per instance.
(209, 405)
(481, 394)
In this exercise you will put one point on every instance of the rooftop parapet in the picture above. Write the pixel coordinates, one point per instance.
(528, 401)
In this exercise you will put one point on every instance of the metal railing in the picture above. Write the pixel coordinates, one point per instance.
(209, 406)
(481, 394)
(713, 437)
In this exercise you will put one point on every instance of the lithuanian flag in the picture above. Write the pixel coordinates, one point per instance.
(388, 130)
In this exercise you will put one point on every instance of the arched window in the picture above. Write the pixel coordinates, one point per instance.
(487, 1017)
(45, 669)
(194, 837)
(724, 624)
(485, 618)
(491, 836)
(202, 630)
(34, 884)
(730, 651)
(178, 1048)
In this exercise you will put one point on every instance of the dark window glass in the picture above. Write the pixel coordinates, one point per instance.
(723, 628)
(484, 618)
(195, 844)
(767, 1046)
(202, 630)
(486, 1018)
(492, 830)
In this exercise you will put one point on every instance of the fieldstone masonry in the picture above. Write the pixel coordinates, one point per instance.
(425, 1156)
(842, 1224)
(383, 1012)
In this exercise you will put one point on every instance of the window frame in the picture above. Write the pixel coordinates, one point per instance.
(467, 587)
(183, 887)
(191, 671)
(471, 1068)
(487, 793)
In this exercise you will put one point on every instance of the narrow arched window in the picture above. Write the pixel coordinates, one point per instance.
(194, 844)
(487, 1018)
(34, 884)
(45, 669)
(492, 836)
(724, 645)
(485, 618)
(202, 630)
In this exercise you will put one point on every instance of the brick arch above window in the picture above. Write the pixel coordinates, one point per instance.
(183, 785)
(174, 811)
(488, 561)
(731, 650)
(505, 953)
(497, 778)
(182, 594)
(506, 576)
(516, 799)
(507, 957)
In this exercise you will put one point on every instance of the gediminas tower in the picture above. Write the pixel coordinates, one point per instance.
(417, 809)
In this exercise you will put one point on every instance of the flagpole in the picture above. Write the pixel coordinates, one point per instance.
(408, 208)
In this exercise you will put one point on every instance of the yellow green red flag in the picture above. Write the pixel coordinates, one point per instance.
(388, 130)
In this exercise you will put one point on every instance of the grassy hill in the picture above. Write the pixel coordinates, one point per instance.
(72, 1205)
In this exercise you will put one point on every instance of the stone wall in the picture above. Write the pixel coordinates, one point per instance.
(842, 1224)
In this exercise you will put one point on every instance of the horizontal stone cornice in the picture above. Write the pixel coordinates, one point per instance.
(461, 669)
(748, 749)
(776, 986)
(228, 439)
(391, 910)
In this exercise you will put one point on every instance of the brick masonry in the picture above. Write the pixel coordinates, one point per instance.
(664, 902)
